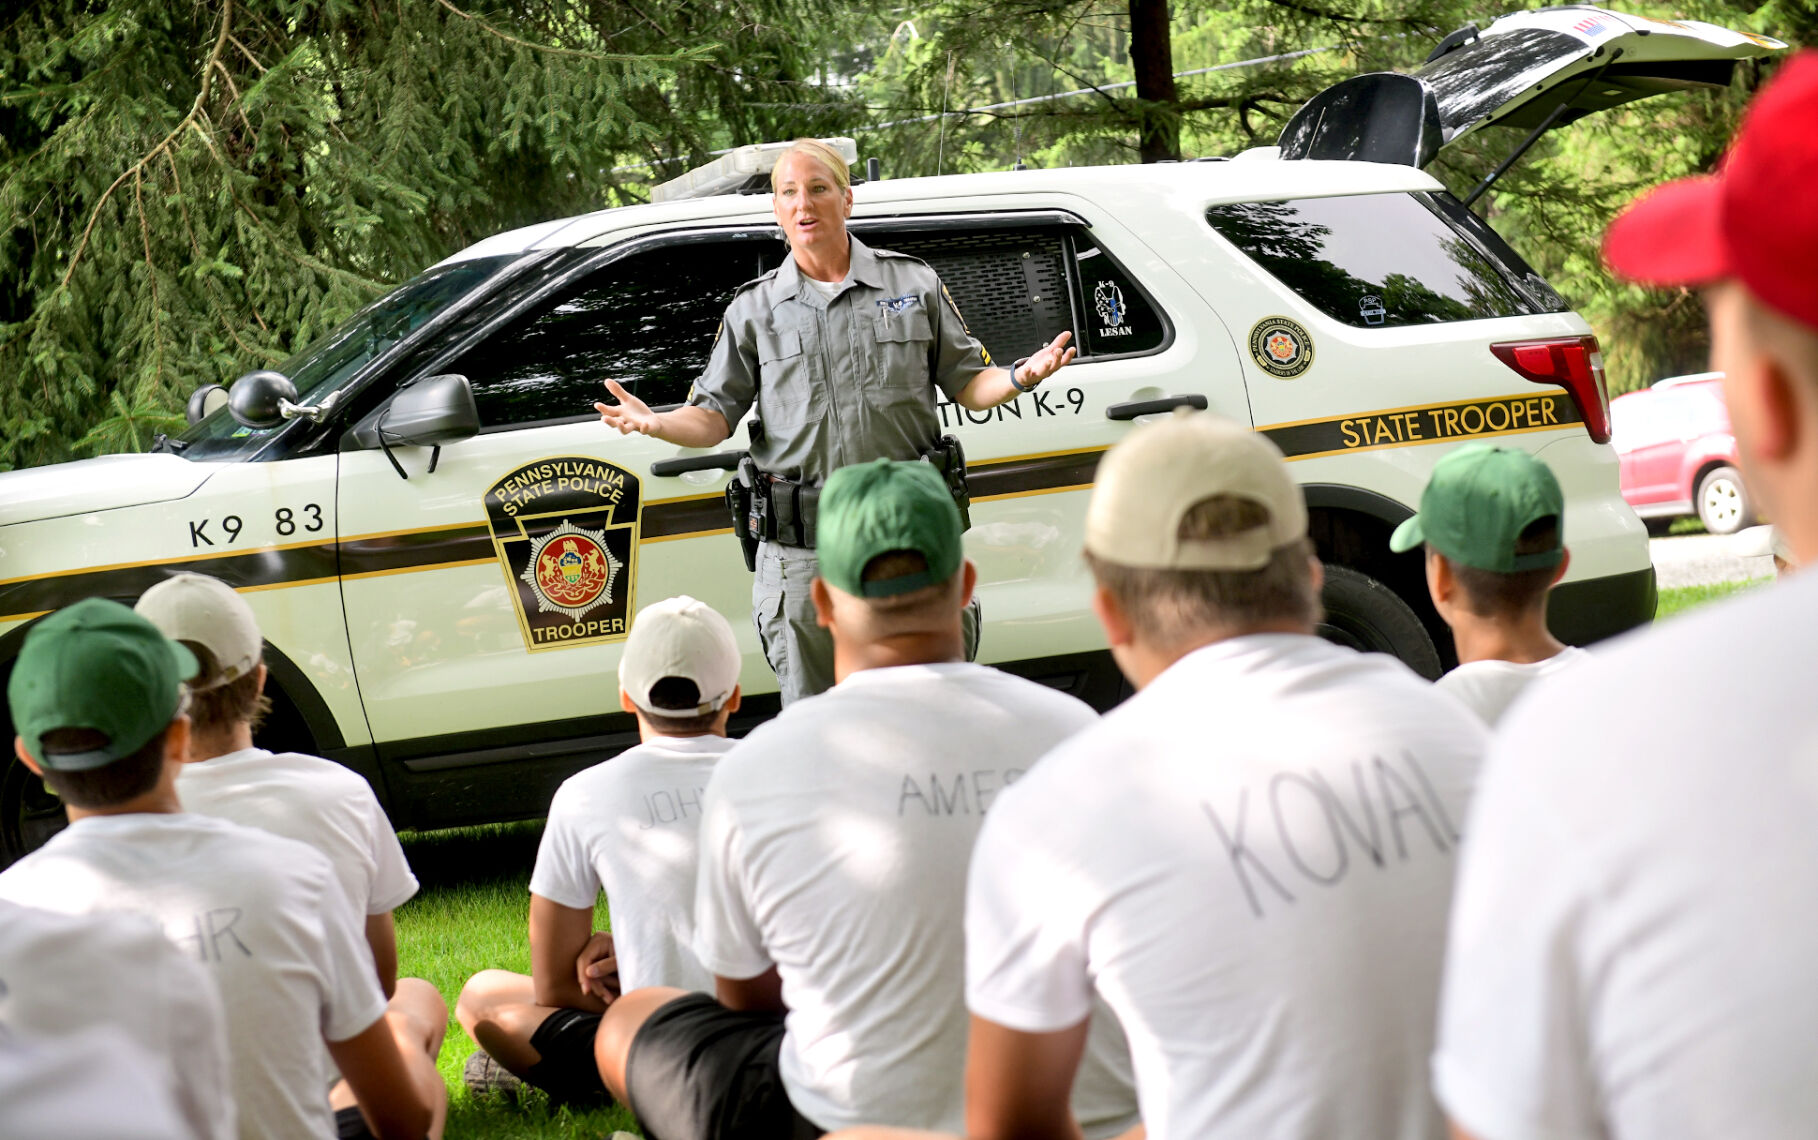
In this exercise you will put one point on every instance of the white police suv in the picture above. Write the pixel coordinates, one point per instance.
(444, 546)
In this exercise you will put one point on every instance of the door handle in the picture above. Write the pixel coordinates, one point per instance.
(1130, 409)
(722, 460)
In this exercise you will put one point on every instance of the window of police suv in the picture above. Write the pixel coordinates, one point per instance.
(648, 319)
(332, 360)
(1387, 260)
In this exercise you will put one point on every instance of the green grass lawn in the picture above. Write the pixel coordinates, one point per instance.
(1678, 601)
(468, 917)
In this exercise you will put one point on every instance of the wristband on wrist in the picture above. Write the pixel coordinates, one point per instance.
(1018, 384)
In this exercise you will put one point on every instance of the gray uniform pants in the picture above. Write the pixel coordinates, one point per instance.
(782, 609)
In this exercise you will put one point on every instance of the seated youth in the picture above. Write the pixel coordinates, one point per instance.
(306, 798)
(833, 858)
(64, 975)
(97, 698)
(1493, 522)
(628, 825)
(1261, 895)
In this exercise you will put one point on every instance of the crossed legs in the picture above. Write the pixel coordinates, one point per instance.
(418, 1018)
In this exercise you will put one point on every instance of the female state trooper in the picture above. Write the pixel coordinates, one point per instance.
(841, 348)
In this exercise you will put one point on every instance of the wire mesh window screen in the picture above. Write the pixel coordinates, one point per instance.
(1010, 286)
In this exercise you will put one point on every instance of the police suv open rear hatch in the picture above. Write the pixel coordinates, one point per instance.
(1533, 70)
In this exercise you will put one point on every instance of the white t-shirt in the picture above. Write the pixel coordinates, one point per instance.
(1633, 949)
(262, 913)
(313, 801)
(826, 288)
(96, 1083)
(632, 826)
(835, 847)
(1488, 688)
(1251, 862)
(60, 974)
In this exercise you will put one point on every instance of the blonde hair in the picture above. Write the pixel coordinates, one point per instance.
(833, 160)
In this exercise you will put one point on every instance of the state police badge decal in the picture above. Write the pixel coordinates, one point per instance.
(566, 532)
(1281, 347)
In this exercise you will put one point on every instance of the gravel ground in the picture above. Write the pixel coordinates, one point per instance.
(1706, 559)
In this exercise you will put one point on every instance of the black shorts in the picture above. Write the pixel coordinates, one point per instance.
(350, 1125)
(567, 1070)
(700, 1071)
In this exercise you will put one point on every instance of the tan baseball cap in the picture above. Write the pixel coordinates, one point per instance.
(1155, 475)
(205, 611)
(680, 637)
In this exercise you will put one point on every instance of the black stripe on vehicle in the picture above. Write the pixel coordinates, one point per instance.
(1428, 423)
(421, 550)
(126, 583)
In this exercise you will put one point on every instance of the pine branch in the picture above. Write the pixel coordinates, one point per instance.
(151, 277)
(214, 57)
(698, 54)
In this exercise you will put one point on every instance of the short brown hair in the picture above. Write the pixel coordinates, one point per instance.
(1166, 607)
(216, 709)
(1495, 594)
(1790, 342)
(125, 779)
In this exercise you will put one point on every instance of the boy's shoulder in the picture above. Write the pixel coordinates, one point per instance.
(642, 761)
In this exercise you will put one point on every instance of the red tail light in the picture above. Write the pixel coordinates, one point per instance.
(1573, 363)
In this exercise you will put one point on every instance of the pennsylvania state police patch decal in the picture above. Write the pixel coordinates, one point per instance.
(1281, 347)
(566, 532)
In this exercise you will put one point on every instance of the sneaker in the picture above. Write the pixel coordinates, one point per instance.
(485, 1077)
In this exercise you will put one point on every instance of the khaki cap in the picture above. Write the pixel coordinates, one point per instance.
(1155, 475)
(680, 637)
(206, 611)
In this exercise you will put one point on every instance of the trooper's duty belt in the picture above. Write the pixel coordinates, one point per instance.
(771, 508)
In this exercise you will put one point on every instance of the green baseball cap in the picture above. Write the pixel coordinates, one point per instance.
(1478, 502)
(870, 509)
(100, 666)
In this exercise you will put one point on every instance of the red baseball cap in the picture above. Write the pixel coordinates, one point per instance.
(1755, 220)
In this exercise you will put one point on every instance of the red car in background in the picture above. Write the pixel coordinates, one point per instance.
(1678, 456)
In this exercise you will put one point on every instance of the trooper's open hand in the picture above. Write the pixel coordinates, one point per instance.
(630, 414)
(596, 967)
(1047, 360)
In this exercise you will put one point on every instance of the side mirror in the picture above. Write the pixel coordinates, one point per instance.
(204, 402)
(430, 412)
(257, 399)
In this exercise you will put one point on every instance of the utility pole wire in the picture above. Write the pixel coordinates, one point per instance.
(994, 107)
(1282, 58)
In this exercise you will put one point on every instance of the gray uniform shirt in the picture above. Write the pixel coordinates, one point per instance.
(845, 380)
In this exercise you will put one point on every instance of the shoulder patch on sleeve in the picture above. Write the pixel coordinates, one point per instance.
(954, 305)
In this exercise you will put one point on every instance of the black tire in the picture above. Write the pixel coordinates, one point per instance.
(1723, 501)
(1366, 615)
(29, 813)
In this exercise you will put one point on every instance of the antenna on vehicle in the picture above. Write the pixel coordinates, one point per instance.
(940, 150)
(1016, 117)
(871, 170)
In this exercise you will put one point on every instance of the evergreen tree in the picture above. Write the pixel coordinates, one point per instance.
(195, 190)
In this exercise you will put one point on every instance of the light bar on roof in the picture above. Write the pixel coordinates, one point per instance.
(736, 168)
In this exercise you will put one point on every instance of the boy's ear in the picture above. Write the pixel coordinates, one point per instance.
(1441, 582)
(1565, 561)
(1118, 629)
(25, 757)
(626, 703)
(823, 602)
(733, 702)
